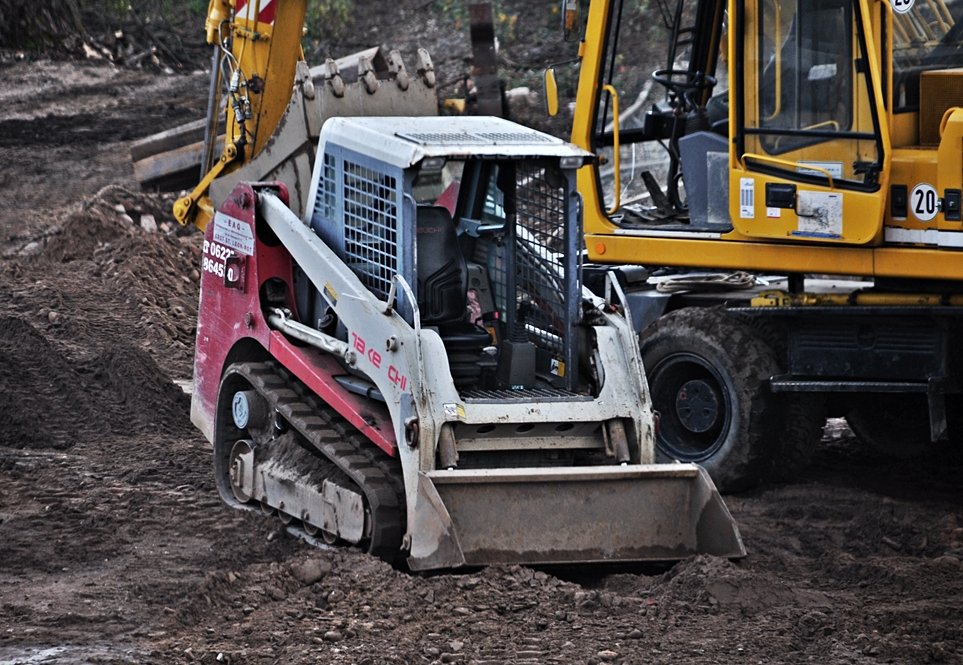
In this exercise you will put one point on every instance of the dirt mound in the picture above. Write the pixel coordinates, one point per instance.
(131, 275)
(102, 316)
(45, 396)
(117, 226)
(54, 399)
(139, 395)
(711, 583)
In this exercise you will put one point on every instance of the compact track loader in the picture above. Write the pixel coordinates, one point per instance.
(414, 366)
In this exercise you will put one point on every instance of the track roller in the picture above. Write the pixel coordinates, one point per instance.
(313, 469)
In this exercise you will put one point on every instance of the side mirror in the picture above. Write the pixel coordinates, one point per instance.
(550, 93)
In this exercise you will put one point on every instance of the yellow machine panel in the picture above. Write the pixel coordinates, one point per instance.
(818, 96)
(786, 208)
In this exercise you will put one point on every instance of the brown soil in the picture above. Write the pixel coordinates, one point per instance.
(116, 549)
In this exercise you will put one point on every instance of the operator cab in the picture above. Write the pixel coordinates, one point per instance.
(480, 218)
(813, 89)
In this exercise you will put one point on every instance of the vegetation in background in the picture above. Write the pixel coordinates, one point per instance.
(130, 32)
(457, 12)
(327, 18)
(40, 24)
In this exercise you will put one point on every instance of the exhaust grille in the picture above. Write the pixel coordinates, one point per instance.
(534, 394)
(357, 212)
(370, 226)
(477, 138)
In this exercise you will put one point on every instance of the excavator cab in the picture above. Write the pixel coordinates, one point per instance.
(775, 120)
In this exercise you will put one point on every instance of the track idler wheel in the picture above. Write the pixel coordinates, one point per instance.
(242, 470)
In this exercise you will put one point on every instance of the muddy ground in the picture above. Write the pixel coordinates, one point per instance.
(115, 548)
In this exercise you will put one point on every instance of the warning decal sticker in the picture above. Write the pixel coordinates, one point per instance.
(233, 233)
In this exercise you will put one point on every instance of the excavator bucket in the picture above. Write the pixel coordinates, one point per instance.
(652, 512)
(367, 83)
(372, 82)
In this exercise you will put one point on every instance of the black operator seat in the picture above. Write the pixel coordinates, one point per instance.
(443, 292)
(442, 271)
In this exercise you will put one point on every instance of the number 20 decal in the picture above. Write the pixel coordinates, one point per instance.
(924, 203)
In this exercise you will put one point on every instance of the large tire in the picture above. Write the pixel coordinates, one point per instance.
(708, 375)
(803, 415)
(803, 419)
(896, 425)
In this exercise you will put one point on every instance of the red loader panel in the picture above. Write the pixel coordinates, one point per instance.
(231, 326)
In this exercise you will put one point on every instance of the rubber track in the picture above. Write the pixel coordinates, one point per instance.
(377, 475)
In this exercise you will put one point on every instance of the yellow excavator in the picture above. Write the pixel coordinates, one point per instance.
(266, 106)
(781, 197)
(394, 346)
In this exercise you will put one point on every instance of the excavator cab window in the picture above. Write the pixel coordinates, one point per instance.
(806, 96)
(926, 36)
(651, 107)
(807, 73)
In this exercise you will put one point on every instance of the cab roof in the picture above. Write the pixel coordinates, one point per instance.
(405, 141)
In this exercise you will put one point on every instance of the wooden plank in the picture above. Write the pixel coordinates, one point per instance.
(174, 169)
(171, 139)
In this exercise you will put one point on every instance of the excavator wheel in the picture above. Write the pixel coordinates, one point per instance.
(896, 426)
(803, 414)
(708, 376)
(264, 412)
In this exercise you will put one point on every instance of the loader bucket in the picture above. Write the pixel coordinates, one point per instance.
(655, 512)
